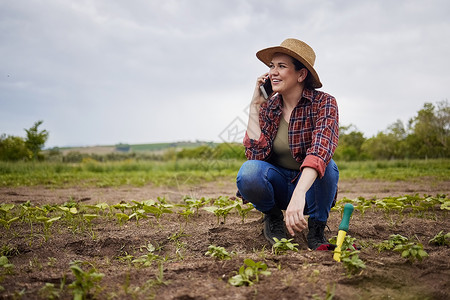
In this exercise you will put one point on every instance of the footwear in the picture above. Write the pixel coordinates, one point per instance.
(316, 239)
(274, 225)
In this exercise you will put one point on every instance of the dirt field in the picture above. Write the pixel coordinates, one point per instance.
(188, 274)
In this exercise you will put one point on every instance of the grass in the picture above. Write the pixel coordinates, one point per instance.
(396, 170)
(192, 171)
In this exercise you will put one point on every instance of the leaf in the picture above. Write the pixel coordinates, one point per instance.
(236, 280)
(249, 262)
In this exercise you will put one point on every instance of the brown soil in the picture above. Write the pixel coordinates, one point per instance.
(189, 274)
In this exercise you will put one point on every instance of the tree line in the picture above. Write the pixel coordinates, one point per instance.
(426, 135)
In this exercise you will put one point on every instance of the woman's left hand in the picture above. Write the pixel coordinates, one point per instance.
(294, 219)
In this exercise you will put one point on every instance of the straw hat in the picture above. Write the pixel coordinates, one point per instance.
(298, 50)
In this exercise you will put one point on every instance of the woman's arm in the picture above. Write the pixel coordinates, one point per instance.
(294, 219)
(253, 127)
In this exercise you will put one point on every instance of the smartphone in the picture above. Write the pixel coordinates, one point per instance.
(266, 89)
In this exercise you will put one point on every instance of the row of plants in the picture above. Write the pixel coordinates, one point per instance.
(81, 218)
(408, 204)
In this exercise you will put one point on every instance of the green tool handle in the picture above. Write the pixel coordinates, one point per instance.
(348, 210)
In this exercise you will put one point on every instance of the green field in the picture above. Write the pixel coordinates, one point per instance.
(192, 171)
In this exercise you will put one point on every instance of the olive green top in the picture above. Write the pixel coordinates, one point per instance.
(281, 153)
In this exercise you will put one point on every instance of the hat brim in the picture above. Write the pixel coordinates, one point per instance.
(265, 55)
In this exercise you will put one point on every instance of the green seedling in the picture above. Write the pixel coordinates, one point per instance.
(122, 218)
(412, 251)
(440, 239)
(147, 260)
(243, 211)
(195, 203)
(186, 213)
(445, 205)
(392, 242)
(223, 201)
(88, 218)
(7, 222)
(49, 291)
(157, 209)
(122, 207)
(220, 211)
(69, 211)
(138, 214)
(218, 252)
(351, 261)
(6, 265)
(399, 243)
(47, 222)
(5, 208)
(249, 273)
(84, 281)
(5, 216)
(283, 245)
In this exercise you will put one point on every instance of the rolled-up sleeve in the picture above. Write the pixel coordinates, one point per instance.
(325, 136)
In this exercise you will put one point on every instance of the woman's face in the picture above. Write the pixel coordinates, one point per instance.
(283, 75)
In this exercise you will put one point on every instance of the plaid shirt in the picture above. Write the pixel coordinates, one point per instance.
(313, 130)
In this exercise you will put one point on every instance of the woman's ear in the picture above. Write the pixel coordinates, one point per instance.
(303, 74)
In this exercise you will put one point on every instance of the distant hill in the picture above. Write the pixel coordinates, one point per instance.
(127, 148)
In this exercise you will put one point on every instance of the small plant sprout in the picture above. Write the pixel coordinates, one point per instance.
(412, 251)
(192, 203)
(5, 218)
(47, 222)
(122, 218)
(157, 209)
(249, 273)
(399, 243)
(440, 239)
(186, 213)
(6, 265)
(352, 262)
(349, 256)
(392, 242)
(243, 210)
(138, 214)
(218, 252)
(49, 291)
(283, 245)
(220, 211)
(147, 260)
(89, 217)
(84, 281)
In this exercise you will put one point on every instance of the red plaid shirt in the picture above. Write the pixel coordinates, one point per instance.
(313, 130)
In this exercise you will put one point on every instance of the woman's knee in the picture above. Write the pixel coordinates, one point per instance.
(249, 171)
(250, 180)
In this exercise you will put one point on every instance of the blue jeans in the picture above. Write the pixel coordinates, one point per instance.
(266, 185)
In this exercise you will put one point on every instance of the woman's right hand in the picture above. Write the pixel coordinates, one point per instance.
(258, 98)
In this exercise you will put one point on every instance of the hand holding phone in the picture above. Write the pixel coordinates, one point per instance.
(266, 89)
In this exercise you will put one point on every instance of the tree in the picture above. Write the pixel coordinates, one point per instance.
(12, 148)
(35, 139)
(430, 131)
(350, 142)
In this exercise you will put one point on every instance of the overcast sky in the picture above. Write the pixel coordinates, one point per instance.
(100, 72)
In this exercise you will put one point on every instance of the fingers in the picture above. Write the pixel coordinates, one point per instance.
(262, 78)
(295, 222)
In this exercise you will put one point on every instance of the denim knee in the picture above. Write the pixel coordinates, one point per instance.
(252, 184)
